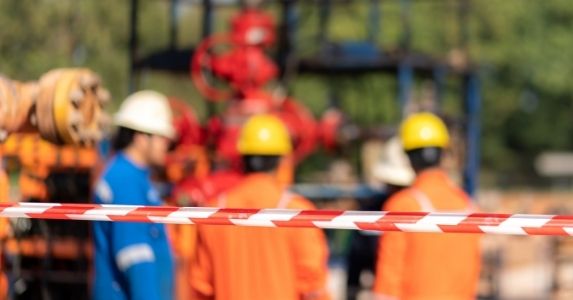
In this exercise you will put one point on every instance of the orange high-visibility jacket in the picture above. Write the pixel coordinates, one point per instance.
(428, 266)
(247, 263)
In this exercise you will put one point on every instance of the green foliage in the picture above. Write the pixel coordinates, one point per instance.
(524, 47)
(37, 36)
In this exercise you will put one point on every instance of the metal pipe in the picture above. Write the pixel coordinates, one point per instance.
(323, 20)
(207, 26)
(286, 36)
(405, 79)
(374, 22)
(439, 75)
(133, 45)
(463, 12)
(405, 40)
(173, 24)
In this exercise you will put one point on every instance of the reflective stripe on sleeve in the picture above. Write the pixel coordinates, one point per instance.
(133, 255)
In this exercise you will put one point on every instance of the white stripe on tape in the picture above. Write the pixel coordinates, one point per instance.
(184, 215)
(194, 212)
(515, 223)
(25, 208)
(431, 222)
(569, 230)
(89, 217)
(348, 219)
(265, 217)
(169, 220)
(103, 212)
(112, 210)
(443, 219)
(415, 227)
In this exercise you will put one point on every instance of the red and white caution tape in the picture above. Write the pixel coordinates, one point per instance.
(519, 224)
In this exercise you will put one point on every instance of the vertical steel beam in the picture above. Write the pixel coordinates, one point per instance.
(405, 81)
(133, 46)
(173, 24)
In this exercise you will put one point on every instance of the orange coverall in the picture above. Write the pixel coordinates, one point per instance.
(4, 227)
(246, 263)
(428, 266)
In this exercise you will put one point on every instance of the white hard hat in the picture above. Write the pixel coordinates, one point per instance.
(394, 167)
(147, 112)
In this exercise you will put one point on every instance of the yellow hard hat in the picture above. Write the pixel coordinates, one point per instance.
(423, 130)
(264, 135)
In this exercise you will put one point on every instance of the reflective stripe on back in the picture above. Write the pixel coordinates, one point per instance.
(426, 205)
(285, 199)
(221, 200)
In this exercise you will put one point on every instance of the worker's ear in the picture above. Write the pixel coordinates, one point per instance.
(141, 140)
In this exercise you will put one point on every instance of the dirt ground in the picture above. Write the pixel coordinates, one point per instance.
(527, 267)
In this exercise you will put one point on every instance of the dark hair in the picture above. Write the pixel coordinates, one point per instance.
(123, 138)
(260, 163)
(424, 158)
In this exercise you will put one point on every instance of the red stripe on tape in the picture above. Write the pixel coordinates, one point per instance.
(224, 215)
(555, 226)
(389, 220)
(306, 218)
(472, 223)
(3, 206)
(142, 214)
(60, 211)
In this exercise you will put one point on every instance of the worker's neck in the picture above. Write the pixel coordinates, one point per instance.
(270, 173)
(427, 169)
(136, 156)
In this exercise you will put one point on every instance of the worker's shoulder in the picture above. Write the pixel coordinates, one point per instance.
(118, 168)
(121, 184)
(252, 191)
(259, 183)
(299, 202)
(403, 200)
(460, 193)
(445, 190)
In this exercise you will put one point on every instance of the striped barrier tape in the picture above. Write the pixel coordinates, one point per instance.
(516, 224)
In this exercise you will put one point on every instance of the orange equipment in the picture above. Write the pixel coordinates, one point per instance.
(39, 157)
(4, 228)
(428, 265)
(49, 173)
(64, 107)
(259, 263)
(188, 157)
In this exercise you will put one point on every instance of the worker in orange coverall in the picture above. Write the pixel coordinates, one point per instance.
(427, 266)
(246, 263)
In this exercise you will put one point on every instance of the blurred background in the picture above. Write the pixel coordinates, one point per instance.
(498, 71)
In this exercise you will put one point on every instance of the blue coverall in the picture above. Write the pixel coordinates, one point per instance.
(132, 260)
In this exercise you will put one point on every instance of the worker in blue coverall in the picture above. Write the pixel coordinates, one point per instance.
(134, 260)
